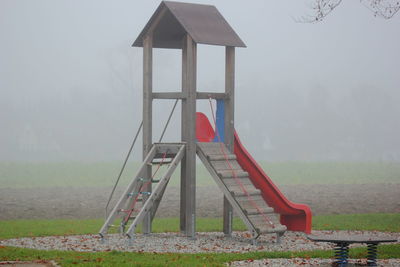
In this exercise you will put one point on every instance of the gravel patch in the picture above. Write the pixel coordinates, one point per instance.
(308, 262)
(38, 263)
(89, 202)
(177, 243)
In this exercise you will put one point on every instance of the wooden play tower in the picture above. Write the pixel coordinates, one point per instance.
(177, 25)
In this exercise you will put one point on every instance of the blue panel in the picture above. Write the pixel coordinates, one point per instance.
(220, 121)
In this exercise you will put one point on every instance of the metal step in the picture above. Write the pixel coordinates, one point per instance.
(229, 174)
(213, 149)
(245, 203)
(242, 192)
(146, 201)
(223, 165)
(236, 183)
(245, 198)
(254, 211)
(238, 192)
(221, 157)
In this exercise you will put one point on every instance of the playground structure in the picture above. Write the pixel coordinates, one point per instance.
(247, 190)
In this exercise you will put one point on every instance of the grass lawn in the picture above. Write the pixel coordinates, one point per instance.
(62, 174)
(389, 222)
(114, 258)
(19, 228)
(385, 222)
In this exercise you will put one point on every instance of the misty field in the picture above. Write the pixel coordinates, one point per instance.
(80, 190)
(103, 174)
(41, 199)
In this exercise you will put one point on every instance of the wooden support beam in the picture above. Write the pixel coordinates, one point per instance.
(229, 125)
(182, 221)
(169, 95)
(207, 95)
(147, 117)
(188, 164)
(182, 95)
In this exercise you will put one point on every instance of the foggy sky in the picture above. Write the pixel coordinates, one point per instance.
(71, 84)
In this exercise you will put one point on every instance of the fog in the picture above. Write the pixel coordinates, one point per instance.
(71, 84)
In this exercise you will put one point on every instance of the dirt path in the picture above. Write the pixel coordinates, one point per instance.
(49, 203)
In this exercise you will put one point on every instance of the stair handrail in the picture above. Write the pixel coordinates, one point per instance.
(130, 151)
(122, 169)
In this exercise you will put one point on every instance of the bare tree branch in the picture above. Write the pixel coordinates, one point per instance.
(381, 8)
(321, 8)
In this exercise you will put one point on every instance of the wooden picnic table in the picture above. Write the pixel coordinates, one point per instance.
(343, 241)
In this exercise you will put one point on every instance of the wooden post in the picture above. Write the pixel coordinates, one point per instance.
(229, 125)
(147, 118)
(188, 164)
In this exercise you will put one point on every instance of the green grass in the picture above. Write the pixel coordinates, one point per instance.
(19, 228)
(74, 174)
(30, 228)
(389, 222)
(114, 258)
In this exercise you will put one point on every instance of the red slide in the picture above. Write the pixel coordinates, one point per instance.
(296, 217)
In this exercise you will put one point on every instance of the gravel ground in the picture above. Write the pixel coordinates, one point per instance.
(38, 263)
(309, 262)
(176, 243)
(204, 243)
(89, 202)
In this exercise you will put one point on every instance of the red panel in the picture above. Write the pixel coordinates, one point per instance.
(204, 130)
(297, 217)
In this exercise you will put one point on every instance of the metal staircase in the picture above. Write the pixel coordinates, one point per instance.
(237, 187)
(136, 202)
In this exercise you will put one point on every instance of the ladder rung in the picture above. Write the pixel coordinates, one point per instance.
(137, 191)
(164, 156)
(160, 161)
(133, 210)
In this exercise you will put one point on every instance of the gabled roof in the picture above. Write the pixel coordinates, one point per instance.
(172, 20)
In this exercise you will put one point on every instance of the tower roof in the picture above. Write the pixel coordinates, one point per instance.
(172, 20)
